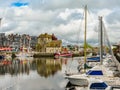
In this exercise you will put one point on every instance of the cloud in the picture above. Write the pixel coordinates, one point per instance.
(113, 17)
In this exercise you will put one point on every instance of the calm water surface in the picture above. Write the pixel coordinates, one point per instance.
(36, 74)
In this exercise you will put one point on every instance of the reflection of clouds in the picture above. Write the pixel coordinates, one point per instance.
(6, 82)
(59, 80)
(62, 84)
(37, 84)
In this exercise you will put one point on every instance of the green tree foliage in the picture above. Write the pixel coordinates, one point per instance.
(88, 46)
(38, 47)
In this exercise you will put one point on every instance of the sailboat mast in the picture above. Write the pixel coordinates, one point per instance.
(101, 39)
(85, 35)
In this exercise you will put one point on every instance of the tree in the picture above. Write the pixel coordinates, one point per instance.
(38, 47)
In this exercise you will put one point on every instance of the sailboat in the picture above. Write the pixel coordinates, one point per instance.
(99, 72)
(80, 79)
(24, 53)
(95, 85)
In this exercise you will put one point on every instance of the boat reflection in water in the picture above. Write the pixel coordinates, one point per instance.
(15, 67)
(45, 67)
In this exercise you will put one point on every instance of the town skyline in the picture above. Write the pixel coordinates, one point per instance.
(63, 18)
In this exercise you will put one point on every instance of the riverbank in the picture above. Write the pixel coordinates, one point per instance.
(37, 55)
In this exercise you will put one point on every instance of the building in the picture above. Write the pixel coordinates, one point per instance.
(48, 43)
(14, 41)
(33, 42)
(17, 41)
(2, 39)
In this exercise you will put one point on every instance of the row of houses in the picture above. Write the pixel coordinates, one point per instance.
(43, 43)
(16, 41)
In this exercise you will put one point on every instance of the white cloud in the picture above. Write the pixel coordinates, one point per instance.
(104, 12)
(64, 15)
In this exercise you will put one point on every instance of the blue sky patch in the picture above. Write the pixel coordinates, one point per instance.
(19, 4)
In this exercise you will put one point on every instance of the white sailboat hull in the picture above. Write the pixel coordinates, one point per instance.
(78, 80)
(88, 87)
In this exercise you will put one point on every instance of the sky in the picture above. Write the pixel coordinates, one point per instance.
(64, 18)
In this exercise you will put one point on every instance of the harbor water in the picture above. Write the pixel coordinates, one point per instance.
(36, 74)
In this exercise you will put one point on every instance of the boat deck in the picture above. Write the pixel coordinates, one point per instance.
(112, 81)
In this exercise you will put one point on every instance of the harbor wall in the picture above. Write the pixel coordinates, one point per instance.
(42, 54)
